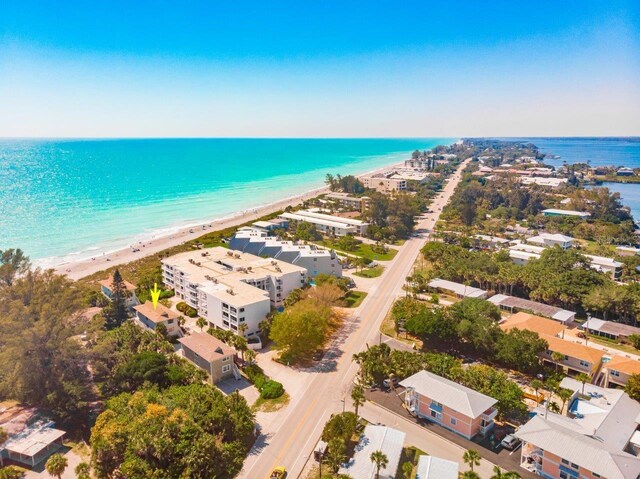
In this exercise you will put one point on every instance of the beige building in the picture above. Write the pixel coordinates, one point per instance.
(576, 358)
(617, 371)
(384, 182)
(149, 317)
(229, 288)
(211, 355)
(357, 203)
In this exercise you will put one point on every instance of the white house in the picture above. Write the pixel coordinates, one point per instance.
(375, 438)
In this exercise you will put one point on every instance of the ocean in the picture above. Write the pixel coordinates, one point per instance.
(63, 200)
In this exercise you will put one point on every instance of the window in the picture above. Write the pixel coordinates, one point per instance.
(170, 321)
(436, 403)
(242, 310)
(226, 368)
(225, 359)
(564, 461)
(615, 373)
(564, 475)
(585, 364)
(454, 421)
(242, 320)
(434, 414)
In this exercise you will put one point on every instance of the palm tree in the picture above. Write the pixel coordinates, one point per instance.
(583, 378)
(357, 395)
(242, 328)
(498, 474)
(564, 394)
(380, 459)
(56, 465)
(250, 355)
(469, 475)
(83, 471)
(201, 323)
(472, 458)
(335, 455)
(536, 385)
(557, 358)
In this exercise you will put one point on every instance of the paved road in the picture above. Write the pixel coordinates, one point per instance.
(293, 442)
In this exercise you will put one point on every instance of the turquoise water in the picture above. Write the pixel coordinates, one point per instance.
(72, 199)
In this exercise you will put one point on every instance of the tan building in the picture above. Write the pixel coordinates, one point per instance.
(357, 203)
(617, 371)
(210, 354)
(149, 317)
(107, 284)
(577, 358)
(384, 182)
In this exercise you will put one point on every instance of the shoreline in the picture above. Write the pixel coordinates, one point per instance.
(80, 268)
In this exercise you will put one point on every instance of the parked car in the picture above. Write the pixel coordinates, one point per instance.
(278, 473)
(510, 442)
(387, 383)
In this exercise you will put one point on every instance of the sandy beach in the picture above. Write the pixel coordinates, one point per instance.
(85, 267)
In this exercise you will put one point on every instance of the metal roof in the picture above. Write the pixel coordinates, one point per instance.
(375, 438)
(461, 289)
(430, 467)
(449, 393)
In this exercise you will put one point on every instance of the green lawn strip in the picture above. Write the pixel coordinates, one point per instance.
(354, 298)
(370, 272)
(363, 250)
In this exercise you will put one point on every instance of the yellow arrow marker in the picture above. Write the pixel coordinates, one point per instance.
(155, 295)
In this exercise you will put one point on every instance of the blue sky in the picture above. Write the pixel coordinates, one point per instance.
(319, 69)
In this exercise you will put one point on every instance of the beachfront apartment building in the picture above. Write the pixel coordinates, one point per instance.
(148, 317)
(596, 439)
(617, 371)
(449, 404)
(229, 288)
(328, 224)
(573, 357)
(315, 260)
(356, 203)
(211, 355)
(385, 182)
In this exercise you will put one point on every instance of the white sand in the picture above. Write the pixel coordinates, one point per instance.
(81, 268)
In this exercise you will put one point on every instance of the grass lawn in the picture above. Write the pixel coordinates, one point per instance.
(363, 250)
(370, 272)
(271, 405)
(627, 348)
(354, 298)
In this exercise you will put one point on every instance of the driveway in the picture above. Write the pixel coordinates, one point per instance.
(246, 389)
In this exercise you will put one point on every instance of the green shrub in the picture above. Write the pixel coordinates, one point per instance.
(187, 310)
(271, 390)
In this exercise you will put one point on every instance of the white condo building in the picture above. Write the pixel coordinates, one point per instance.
(328, 224)
(315, 260)
(229, 288)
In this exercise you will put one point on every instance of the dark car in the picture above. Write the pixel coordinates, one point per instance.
(510, 442)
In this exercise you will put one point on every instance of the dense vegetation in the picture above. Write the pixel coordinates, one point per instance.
(560, 277)
(380, 362)
(184, 431)
(470, 324)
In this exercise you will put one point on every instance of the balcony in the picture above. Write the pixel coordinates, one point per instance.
(491, 415)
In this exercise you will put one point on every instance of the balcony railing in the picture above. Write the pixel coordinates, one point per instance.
(491, 415)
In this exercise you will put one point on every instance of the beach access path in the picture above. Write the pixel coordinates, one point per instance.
(294, 434)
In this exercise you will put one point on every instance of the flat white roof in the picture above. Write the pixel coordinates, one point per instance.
(337, 219)
(461, 289)
(375, 438)
(554, 211)
(550, 237)
(431, 467)
(319, 221)
(33, 443)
